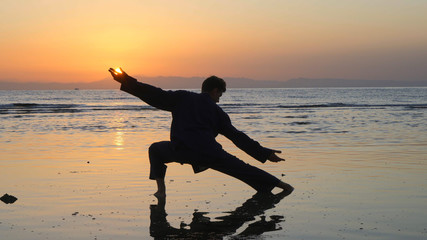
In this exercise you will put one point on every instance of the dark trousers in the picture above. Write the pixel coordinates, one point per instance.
(161, 153)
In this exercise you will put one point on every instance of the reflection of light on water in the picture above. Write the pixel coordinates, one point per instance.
(119, 140)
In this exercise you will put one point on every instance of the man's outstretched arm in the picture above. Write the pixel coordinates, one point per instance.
(153, 96)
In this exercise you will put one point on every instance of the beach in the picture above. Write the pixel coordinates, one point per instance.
(77, 162)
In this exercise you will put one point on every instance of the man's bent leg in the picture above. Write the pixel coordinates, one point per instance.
(159, 154)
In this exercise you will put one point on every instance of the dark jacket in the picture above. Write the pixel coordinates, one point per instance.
(196, 121)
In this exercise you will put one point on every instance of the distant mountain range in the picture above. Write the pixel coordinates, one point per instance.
(195, 83)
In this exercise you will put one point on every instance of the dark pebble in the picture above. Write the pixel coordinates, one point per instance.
(8, 199)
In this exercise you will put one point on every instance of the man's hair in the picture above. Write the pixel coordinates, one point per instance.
(213, 82)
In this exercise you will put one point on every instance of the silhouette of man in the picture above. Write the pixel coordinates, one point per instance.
(196, 121)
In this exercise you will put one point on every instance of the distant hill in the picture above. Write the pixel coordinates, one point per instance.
(195, 83)
(162, 82)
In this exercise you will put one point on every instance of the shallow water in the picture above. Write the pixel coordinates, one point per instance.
(77, 162)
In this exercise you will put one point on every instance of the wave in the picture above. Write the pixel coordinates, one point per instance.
(36, 105)
(28, 108)
(33, 108)
(345, 105)
(325, 105)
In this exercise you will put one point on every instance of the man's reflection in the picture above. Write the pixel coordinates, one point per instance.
(202, 227)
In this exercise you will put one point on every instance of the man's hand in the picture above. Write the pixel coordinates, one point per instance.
(274, 158)
(119, 76)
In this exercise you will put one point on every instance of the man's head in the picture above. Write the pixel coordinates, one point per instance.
(214, 86)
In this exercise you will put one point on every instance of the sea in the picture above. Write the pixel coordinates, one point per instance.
(77, 162)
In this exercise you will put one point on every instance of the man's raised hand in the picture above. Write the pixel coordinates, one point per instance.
(119, 75)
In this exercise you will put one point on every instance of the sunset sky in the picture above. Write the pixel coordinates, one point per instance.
(69, 41)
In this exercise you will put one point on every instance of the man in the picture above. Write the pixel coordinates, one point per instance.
(196, 121)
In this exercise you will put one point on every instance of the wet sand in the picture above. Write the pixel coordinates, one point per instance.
(339, 194)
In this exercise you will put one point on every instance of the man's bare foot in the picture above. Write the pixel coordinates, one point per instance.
(161, 188)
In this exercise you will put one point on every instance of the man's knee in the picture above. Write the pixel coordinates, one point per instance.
(154, 148)
(160, 152)
(158, 148)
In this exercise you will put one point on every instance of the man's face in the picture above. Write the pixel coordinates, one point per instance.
(215, 94)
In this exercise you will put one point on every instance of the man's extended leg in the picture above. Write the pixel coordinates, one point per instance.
(259, 179)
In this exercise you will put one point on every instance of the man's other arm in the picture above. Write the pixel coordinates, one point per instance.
(243, 141)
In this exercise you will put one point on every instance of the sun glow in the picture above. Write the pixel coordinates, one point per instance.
(118, 70)
(119, 140)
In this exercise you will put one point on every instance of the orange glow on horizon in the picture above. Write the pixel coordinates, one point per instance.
(61, 41)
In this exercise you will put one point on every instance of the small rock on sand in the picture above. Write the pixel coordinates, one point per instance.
(8, 199)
